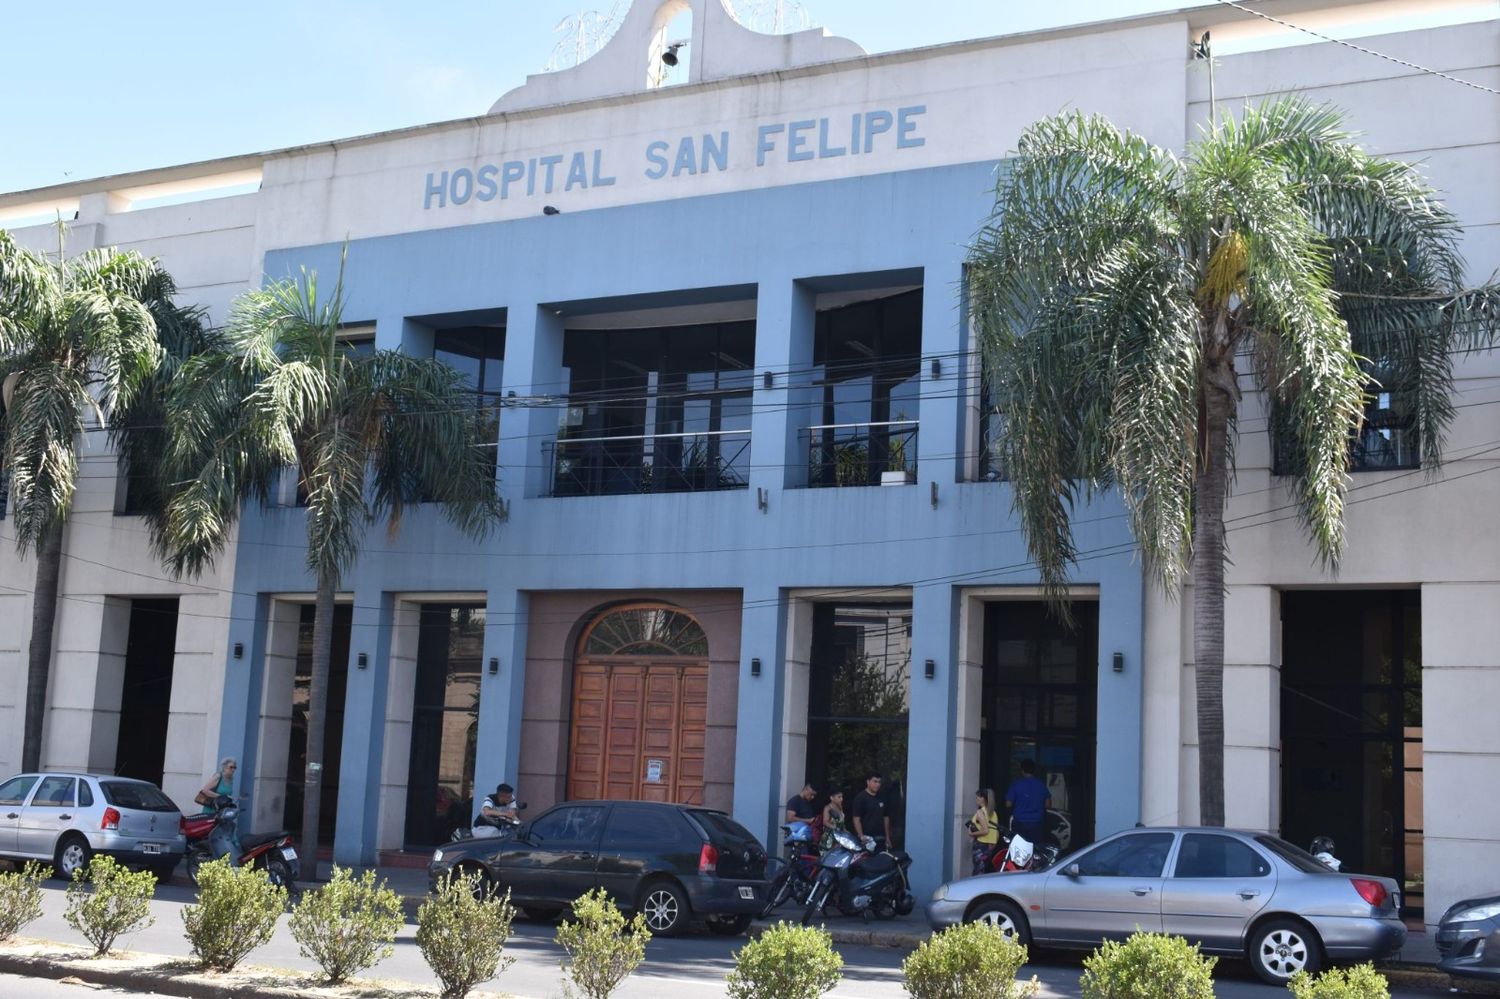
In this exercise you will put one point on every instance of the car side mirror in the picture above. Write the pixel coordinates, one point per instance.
(1073, 871)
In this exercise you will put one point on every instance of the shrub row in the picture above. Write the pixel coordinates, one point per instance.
(350, 924)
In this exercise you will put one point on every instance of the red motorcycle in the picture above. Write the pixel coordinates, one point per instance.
(215, 834)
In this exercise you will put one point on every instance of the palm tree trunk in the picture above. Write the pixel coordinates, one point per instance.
(43, 620)
(1208, 595)
(317, 717)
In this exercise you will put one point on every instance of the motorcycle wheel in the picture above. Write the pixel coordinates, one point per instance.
(279, 871)
(884, 909)
(194, 860)
(816, 899)
(779, 892)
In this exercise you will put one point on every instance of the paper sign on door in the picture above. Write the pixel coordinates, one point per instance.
(653, 771)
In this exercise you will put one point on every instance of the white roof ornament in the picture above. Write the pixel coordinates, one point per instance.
(721, 47)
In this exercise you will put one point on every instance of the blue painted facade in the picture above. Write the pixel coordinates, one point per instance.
(787, 243)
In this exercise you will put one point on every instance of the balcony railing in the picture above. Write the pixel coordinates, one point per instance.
(862, 454)
(705, 461)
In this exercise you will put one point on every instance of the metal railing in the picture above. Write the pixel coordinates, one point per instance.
(703, 461)
(862, 454)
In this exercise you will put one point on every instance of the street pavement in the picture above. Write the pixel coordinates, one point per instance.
(692, 966)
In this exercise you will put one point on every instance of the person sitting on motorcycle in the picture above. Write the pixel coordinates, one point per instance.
(220, 784)
(497, 810)
(984, 829)
(833, 816)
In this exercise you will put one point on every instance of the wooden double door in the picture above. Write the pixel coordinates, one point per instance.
(639, 729)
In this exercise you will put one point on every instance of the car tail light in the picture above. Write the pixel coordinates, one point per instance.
(708, 859)
(111, 819)
(182, 825)
(1371, 891)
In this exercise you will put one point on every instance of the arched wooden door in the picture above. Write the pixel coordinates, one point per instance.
(640, 707)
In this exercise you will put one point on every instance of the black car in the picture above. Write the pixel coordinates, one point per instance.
(1468, 939)
(675, 864)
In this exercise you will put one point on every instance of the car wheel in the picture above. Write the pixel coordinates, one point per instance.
(73, 855)
(540, 913)
(484, 887)
(1281, 948)
(729, 926)
(1004, 915)
(665, 908)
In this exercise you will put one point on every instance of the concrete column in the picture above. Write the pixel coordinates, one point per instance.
(1161, 715)
(794, 689)
(931, 749)
(533, 365)
(267, 753)
(395, 763)
(198, 678)
(785, 318)
(1252, 711)
(968, 712)
(243, 681)
(501, 694)
(757, 772)
(940, 441)
(1461, 750)
(1117, 766)
(360, 757)
(88, 671)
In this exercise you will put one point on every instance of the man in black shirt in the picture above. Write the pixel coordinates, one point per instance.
(800, 807)
(868, 812)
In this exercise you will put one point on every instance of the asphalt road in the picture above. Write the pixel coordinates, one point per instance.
(692, 966)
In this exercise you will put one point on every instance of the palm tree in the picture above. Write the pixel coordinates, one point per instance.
(1118, 289)
(367, 433)
(78, 339)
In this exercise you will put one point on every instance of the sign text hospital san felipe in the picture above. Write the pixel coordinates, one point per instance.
(859, 134)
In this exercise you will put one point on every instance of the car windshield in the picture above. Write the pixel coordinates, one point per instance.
(1294, 855)
(134, 794)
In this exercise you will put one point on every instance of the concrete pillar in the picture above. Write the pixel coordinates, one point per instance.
(395, 762)
(360, 758)
(757, 772)
(1461, 750)
(796, 674)
(268, 750)
(968, 714)
(88, 671)
(785, 318)
(931, 748)
(1117, 766)
(501, 694)
(1252, 711)
(940, 438)
(243, 684)
(198, 678)
(1161, 717)
(533, 365)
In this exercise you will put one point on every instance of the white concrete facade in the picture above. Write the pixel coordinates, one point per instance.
(1406, 530)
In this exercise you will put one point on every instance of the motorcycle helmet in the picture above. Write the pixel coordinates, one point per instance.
(799, 832)
(1322, 844)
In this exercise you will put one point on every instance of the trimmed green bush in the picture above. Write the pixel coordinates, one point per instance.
(105, 900)
(786, 962)
(970, 961)
(236, 912)
(1148, 966)
(1359, 982)
(461, 936)
(347, 925)
(602, 946)
(20, 898)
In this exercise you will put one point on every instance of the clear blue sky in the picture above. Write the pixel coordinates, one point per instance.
(98, 87)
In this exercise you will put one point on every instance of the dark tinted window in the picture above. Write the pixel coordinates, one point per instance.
(55, 792)
(633, 827)
(1138, 855)
(85, 795)
(133, 794)
(1294, 855)
(1206, 855)
(14, 791)
(721, 827)
(573, 824)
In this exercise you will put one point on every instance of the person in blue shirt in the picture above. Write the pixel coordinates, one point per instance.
(1028, 798)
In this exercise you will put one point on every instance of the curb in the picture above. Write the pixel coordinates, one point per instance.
(135, 980)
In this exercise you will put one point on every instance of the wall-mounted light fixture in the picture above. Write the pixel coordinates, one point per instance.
(762, 498)
(768, 379)
(239, 650)
(363, 660)
(494, 665)
(1119, 662)
(937, 368)
(755, 667)
(931, 669)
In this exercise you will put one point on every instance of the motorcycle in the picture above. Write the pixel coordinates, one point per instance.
(1016, 853)
(798, 873)
(505, 826)
(859, 881)
(216, 834)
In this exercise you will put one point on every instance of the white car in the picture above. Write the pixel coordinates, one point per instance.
(66, 818)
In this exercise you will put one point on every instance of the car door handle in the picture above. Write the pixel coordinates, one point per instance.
(12, 815)
(1247, 893)
(1142, 890)
(64, 818)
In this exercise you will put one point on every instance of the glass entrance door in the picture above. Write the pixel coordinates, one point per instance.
(444, 723)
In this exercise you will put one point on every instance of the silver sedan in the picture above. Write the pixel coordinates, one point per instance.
(1233, 892)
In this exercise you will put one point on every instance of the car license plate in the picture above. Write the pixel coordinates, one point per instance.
(289, 853)
(151, 848)
(747, 892)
